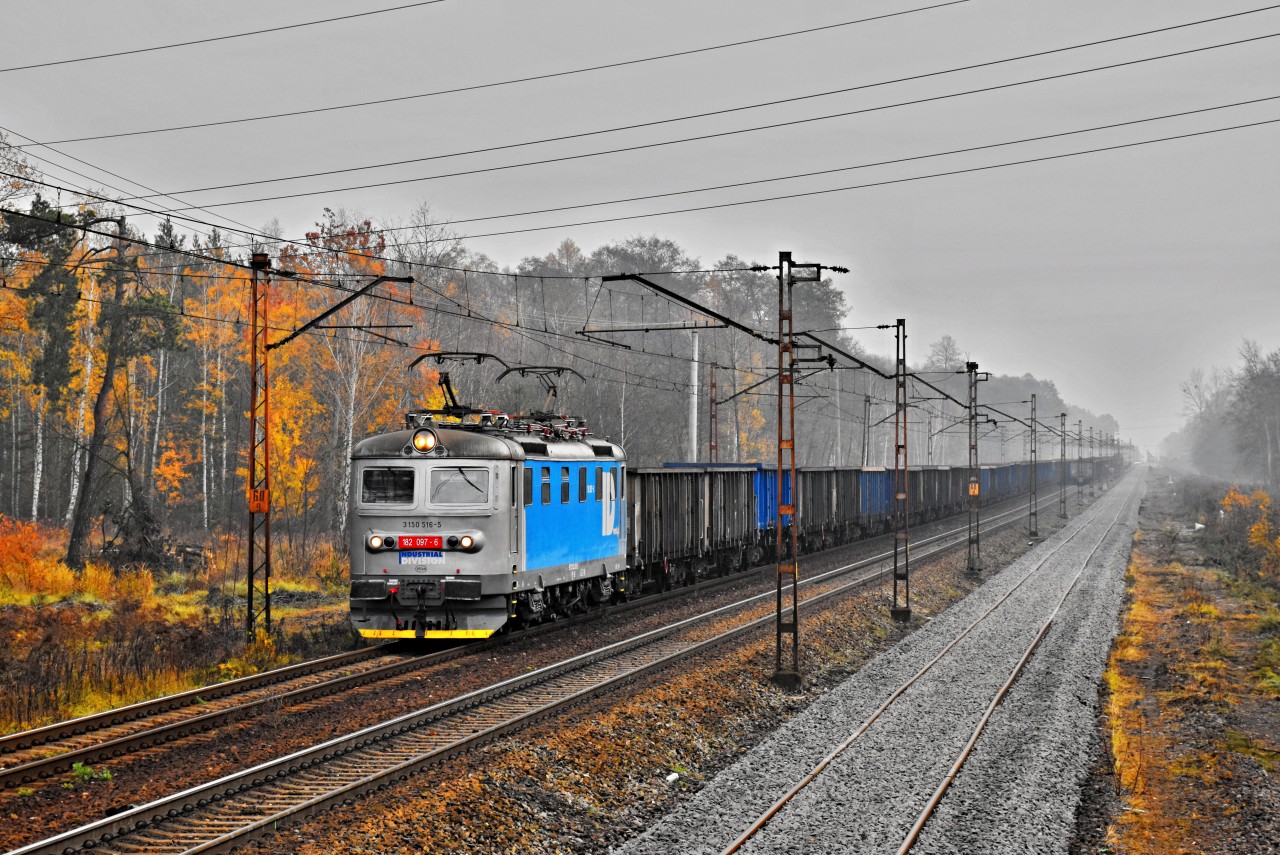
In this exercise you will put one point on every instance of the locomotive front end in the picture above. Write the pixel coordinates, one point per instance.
(432, 534)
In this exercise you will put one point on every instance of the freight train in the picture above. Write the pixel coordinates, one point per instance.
(461, 529)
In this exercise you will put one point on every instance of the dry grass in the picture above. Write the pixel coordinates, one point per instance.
(78, 643)
(1178, 672)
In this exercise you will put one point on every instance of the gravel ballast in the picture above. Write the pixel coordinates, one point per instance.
(1019, 789)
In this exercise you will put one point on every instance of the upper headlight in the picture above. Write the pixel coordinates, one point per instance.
(424, 440)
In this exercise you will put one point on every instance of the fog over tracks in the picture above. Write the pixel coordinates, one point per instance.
(1019, 788)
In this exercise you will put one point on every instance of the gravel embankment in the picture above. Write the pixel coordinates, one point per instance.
(1018, 791)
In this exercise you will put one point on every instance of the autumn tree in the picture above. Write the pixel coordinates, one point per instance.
(16, 172)
(1255, 410)
(345, 363)
(945, 355)
(133, 320)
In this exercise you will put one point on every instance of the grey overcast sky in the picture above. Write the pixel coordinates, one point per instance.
(1113, 274)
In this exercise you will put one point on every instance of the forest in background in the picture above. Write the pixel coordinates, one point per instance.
(1232, 430)
(131, 349)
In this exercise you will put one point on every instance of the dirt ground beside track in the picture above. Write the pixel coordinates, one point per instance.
(1188, 739)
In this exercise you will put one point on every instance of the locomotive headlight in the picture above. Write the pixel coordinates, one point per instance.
(424, 440)
(375, 541)
(452, 542)
(466, 541)
(388, 543)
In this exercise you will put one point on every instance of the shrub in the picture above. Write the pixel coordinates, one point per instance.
(97, 583)
(29, 567)
(135, 586)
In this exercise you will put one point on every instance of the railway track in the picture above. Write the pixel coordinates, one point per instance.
(227, 812)
(880, 769)
(45, 752)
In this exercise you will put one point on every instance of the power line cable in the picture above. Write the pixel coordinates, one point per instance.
(679, 141)
(653, 384)
(470, 313)
(805, 194)
(274, 239)
(528, 79)
(838, 169)
(166, 211)
(264, 238)
(759, 201)
(865, 186)
(218, 38)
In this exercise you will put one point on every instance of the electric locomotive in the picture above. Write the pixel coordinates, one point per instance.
(465, 521)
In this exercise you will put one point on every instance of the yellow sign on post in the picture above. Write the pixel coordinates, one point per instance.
(973, 488)
(259, 500)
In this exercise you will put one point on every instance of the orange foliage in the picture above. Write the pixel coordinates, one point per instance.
(172, 471)
(1252, 514)
(26, 566)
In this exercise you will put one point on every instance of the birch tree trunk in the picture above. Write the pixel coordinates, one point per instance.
(204, 439)
(162, 380)
(77, 454)
(37, 474)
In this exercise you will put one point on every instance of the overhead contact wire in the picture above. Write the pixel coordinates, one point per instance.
(512, 81)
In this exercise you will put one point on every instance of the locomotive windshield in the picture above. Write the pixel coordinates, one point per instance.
(392, 485)
(458, 485)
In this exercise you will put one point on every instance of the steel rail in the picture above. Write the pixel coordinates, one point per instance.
(936, 799)
(309, 775)
(29, 771)
(45, 767)
(822, 765)
(121, 715)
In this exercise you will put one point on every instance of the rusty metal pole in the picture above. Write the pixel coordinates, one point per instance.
(1033, 517)
(1093, 469)
(788, 614)
(259, 486)
(1062, 468)
(901, 608)
(1079, 462)
(974, 565)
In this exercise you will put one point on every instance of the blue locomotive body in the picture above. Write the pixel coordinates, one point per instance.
(457, 530)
